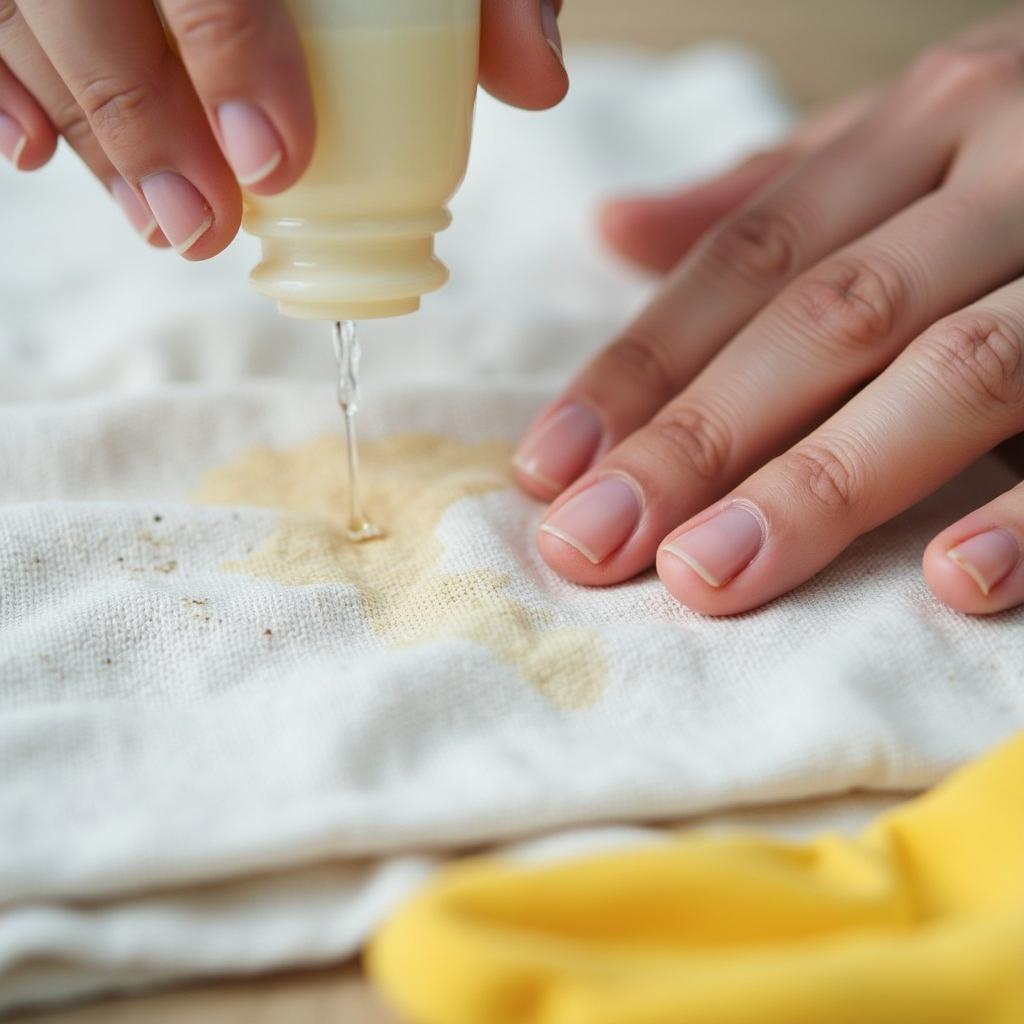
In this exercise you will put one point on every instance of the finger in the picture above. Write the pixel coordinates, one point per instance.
(832, 329)
(521, 52)
(952, 396)
(739, 267)
(27, 139)
(139, 102)
(656, 232)
(977, 565)
(246, 63)
(31, 66)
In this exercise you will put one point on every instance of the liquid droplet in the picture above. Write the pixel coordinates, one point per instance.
(347, 351)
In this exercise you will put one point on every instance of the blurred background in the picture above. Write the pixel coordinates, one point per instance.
(817, 48)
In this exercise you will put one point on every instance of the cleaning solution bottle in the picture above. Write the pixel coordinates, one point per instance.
(394, 83)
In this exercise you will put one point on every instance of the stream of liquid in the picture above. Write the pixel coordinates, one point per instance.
(346, 349)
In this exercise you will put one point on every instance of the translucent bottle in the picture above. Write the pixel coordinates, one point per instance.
(394, 82)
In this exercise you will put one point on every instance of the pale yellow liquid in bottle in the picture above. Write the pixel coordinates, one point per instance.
(394, 84)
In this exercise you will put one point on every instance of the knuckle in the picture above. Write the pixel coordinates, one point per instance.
(978, 359)
(8, 12)
(760, 247)
(829, 473)
(848, 304)
(644, 358)
(697, 440)
(215, 25)
(952, 72)
(111, 104)
(71, 122)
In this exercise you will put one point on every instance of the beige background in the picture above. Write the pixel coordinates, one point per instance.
(819, 48)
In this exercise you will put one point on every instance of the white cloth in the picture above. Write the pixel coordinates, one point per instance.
(206, 769)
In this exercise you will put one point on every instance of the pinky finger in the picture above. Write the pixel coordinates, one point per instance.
(977, 565)
(27, 138)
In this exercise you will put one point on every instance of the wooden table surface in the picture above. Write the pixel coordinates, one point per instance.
(820, 48)
(336, 995)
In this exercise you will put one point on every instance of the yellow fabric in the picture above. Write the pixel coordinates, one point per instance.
(919, 921)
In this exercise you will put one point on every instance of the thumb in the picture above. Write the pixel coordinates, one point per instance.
(521, 52)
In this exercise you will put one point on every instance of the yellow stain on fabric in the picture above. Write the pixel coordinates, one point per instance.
(919, 921)
(409, 483)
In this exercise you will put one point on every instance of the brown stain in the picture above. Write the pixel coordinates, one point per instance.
(410, 481)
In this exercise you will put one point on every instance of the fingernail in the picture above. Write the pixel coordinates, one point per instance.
(549, 23)
(12, 139)
(251, 145)
(599, 520)
(562, 448)
(181, 211)
(721, 547)
(987, 558)
(134, 209)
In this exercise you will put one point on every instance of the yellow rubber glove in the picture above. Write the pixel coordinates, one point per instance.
(919, 921)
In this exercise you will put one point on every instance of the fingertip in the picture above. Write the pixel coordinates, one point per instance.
(566, 558)
(683, 581)
(690, 584)
(596, 533)
(35, 152)
(212, 241)
(949, 583)
(617, 217)
(520, 54)
(542, 92)
(254, 146)
(636, 230)
(533, 483)
(28, 143)
(559, 445)
(199, 220)
(723, 561)
(975, 571)
(223, 201)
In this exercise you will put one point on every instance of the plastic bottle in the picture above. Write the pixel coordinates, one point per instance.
(394, 82)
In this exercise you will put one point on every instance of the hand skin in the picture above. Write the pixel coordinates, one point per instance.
(172, 131)
(876, 255)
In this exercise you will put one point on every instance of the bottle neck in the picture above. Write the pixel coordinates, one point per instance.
(350, 270)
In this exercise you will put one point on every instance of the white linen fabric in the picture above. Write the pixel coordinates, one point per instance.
(207, 766)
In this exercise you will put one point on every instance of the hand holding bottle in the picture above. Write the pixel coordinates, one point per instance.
(174, 106)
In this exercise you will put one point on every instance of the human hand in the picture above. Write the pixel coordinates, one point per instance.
(173, 130)
(876, 255)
